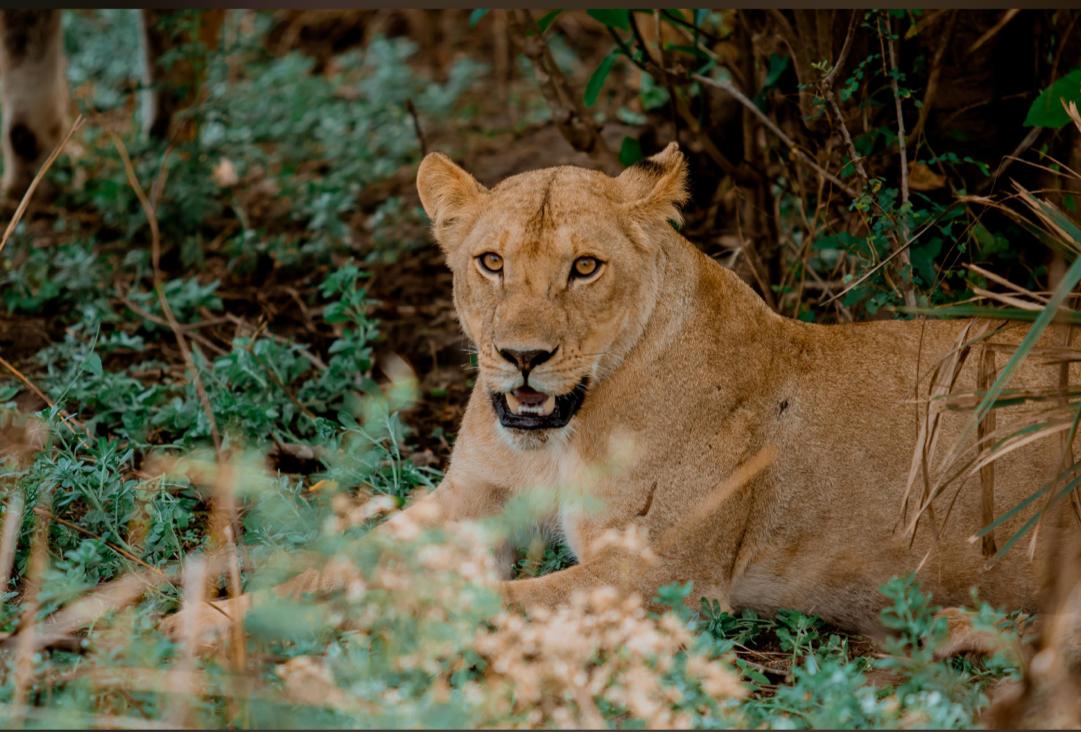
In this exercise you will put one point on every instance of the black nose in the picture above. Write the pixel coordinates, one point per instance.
(527, 360)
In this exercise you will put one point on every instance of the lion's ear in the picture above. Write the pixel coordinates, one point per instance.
(446, 191)
(656, 186)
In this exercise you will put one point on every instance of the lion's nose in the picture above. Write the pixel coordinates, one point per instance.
(526, 361)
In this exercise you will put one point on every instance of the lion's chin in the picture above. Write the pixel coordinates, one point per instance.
(528, 409)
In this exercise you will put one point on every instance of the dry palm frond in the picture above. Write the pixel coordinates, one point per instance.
(1051, 410)
(943, 378)
(1039, 412)
(1051, 689)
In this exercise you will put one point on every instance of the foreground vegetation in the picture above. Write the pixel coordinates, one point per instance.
(197, 399)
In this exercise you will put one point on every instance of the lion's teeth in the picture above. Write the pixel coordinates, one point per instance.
(549, 405)
(541, 410)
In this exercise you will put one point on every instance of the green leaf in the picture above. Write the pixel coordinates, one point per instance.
(752, 673)
(547, 19)
(620, 19)
(652, 94)
(777, 65)
(596, 81)
(630, 151)
(476, 15)
(1047, 110)
(923, 260)
(93, 364)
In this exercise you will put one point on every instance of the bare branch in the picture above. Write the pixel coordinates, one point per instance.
(904, 258)
(567, 111)
(730, 88)
(159, 286)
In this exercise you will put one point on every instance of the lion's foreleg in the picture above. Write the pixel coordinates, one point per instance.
(625, 571)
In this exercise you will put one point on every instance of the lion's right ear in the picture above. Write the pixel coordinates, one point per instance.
(446, 192)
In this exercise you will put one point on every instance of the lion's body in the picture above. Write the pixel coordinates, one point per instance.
(712, 377)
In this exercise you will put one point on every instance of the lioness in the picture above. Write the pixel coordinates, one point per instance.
(627, 375)
(597, 324)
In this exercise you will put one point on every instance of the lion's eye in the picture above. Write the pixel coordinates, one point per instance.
(490, 262)
(585, 267)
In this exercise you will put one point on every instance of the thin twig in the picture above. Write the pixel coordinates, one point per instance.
(24, 644)
(73, 424)
(21, 208)
(167, 310)
(985, 376)
(9, 538)
(857, 160)
(207, 343)
(1028, 141)
(826, 91)
(180, 709)
(739, 96)
(577, 127)
(26, 382)
(905, 259)
(311, 357)
(895, 253)
(412, 109)
(47, 514)
(993, 31)
(932, 79)
(829, 78)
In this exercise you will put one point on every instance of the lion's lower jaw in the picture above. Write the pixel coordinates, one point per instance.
(534, 439)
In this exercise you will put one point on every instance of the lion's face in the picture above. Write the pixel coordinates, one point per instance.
(555, 277)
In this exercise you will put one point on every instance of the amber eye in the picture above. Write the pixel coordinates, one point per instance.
(585, 267)
(491, 262)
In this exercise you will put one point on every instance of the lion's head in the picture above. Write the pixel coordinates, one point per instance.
(556, 273)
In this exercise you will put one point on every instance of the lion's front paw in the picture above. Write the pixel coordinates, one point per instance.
(964, 637)
(510, 594)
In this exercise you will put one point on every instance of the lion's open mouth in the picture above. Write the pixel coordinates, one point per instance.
(529, 409)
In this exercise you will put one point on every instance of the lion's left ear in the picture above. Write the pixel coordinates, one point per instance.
(656, 186)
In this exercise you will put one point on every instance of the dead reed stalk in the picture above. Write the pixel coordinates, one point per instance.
(9, 536)
(25, 201)
(985, 376)
(159, 286)
(180, 712)
(25, 644)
